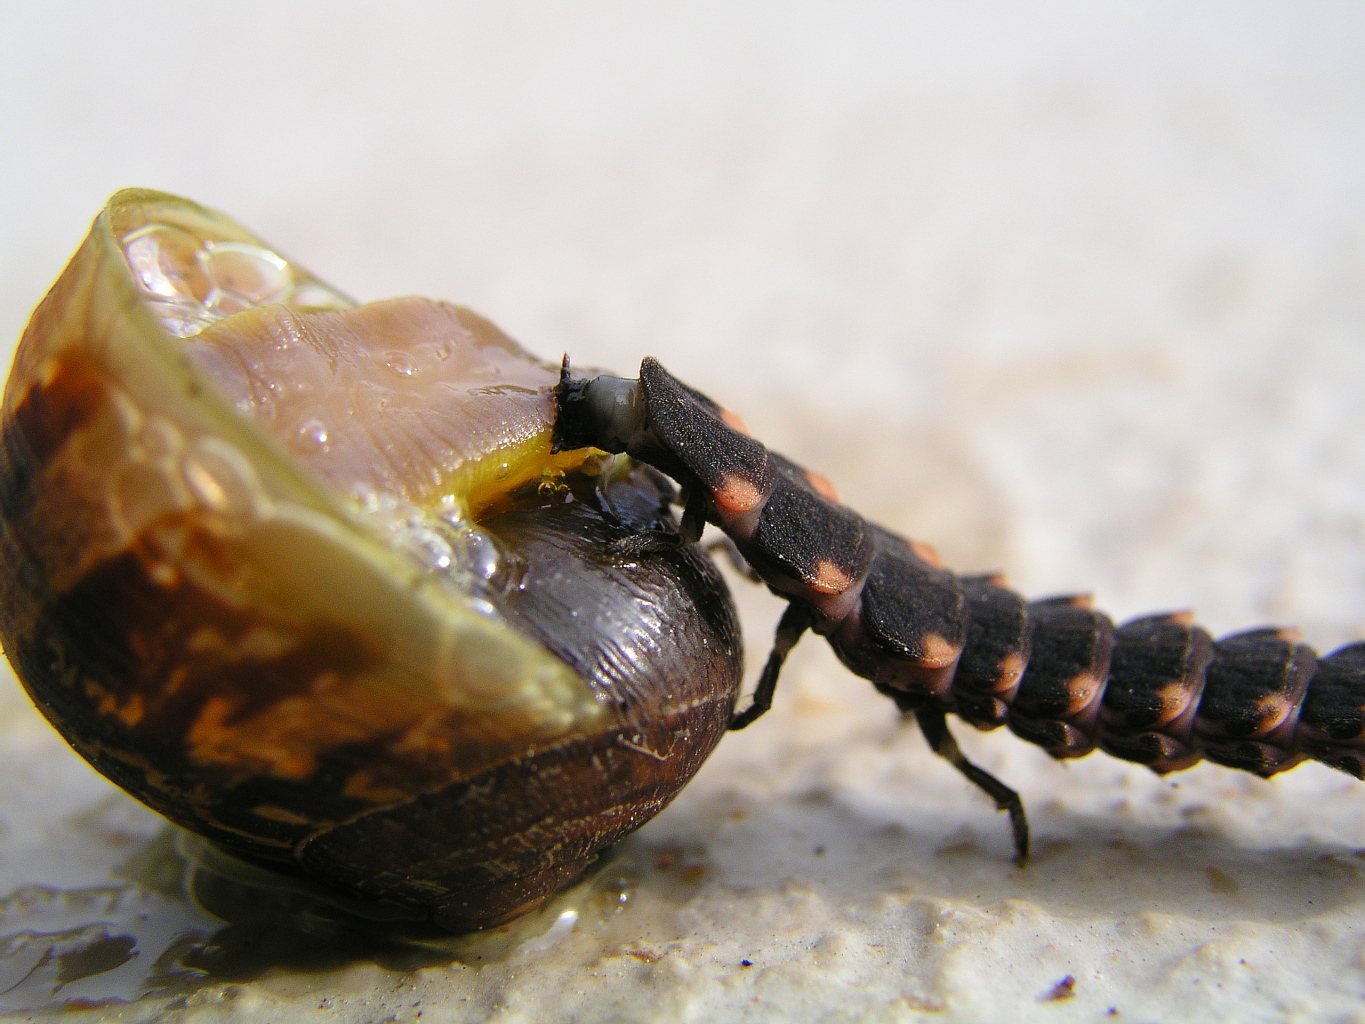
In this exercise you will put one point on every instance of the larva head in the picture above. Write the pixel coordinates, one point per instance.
(297, 574)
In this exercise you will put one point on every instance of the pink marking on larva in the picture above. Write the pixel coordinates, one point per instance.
(836, 608)
(1181, 725)
(829, 578)
(1082, 689)
(1175, 699)
(735, 494)
(821, 485)
(1275, 710)
(926, 553)
(938, 651)
(1012, 668)
(733, 421)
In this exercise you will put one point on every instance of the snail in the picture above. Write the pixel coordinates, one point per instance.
(305, 577)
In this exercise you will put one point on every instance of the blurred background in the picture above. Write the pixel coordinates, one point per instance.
(889, 219)
(1072, 290)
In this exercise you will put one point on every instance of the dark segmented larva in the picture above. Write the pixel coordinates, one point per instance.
(1158, 690)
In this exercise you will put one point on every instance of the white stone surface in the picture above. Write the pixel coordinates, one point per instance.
(1072, 290)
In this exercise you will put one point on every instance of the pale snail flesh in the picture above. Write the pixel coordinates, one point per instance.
(304, 577)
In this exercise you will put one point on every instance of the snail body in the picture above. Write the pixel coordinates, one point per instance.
(306, 578)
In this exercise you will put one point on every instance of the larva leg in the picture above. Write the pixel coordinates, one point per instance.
(794, 622)
(646, 542)
(693, 520)
(723, 545)
(935, 728)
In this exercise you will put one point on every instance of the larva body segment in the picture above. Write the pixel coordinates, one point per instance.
(1157, 690)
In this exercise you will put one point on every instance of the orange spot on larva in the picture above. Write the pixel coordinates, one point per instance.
(733, 421)
(926, 553)
(1173, 697)
(1081, 689)
(735, 494)
(1185, 618)
(1012, 667)
(830, 579)
(938, 652)
(821, 485)
(1274, 710)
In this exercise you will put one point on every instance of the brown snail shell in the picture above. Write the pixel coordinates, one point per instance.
(305, 578)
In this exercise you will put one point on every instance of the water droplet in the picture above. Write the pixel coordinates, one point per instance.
(159, 439)
(428, 547)
(180, 319)
(484, 608)
(478, 554)
(248, 272)
(222, 304)
(564, 924)
(141, 493)
(317, 296)
(165, 263)
(221, 478)
(312, 436)
(400, 363)
(549, 486)
(451, 511)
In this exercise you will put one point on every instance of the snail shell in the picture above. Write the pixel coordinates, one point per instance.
(304, 577)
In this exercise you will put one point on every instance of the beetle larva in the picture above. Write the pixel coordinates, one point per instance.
(1157, 690)
(306, 578)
